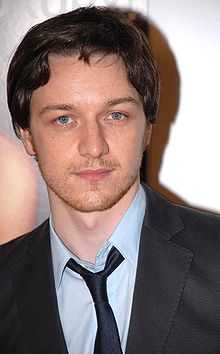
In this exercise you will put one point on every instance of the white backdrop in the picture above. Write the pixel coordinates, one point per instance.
(190, 164)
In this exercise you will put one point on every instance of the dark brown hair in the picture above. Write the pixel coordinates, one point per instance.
(84, 31)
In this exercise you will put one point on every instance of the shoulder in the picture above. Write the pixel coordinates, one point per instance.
(14, 250)
(201, 233)
(190, 227)
(199, 219)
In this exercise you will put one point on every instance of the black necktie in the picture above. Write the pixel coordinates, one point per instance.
(107, 337)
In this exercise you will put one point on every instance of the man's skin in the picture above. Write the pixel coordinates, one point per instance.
(88, 131)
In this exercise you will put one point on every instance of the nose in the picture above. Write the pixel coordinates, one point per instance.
(92, 141)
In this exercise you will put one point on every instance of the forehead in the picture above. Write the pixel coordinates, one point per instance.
(110, 67)
(58, 63)
(103, 78)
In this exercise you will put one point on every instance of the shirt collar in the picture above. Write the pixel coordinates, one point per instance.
(125, 238)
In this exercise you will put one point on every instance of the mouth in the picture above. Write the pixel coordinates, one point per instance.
(94, 175)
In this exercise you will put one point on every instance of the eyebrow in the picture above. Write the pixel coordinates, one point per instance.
(127, 99)
(69, 107)
(56, 107)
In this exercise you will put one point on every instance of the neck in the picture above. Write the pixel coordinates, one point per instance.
(85, 233)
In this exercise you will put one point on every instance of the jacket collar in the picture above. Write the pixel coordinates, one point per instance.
(161, 215)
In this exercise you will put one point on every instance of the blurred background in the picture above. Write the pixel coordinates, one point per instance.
(183, 161)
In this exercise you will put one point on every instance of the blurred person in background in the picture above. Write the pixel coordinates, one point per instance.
(18, 190)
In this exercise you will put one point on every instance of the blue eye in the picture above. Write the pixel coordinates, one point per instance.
(118, 116)
(64, 120)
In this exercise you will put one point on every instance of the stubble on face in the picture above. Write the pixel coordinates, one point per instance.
(92, 196)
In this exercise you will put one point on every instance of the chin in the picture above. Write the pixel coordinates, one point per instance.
(96, 197)
(95, 201)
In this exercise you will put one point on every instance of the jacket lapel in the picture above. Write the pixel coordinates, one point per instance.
(161, 274)
(36, 296)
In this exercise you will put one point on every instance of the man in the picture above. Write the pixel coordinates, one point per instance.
(117, 269)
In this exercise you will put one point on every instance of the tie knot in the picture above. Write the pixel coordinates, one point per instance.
(96, 282)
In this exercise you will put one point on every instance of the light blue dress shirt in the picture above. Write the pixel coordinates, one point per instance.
(76, 308)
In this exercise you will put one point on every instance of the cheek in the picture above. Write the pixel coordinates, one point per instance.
(130, 151)
(46, 152)
(46, 144)
(137, 141)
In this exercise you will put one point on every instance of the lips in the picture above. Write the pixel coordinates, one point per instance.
(94, 175)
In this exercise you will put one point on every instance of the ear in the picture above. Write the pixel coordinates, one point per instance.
(27, 140)
(148, 133)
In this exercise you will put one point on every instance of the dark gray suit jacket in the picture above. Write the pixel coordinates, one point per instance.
(176, 305)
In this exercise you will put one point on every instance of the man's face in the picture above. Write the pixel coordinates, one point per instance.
(88, 131)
